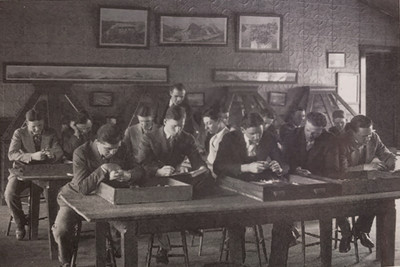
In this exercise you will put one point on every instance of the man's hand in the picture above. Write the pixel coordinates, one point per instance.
(120, 175)
(300, 171)
(165, 171)
(48, 153)
(275, 167)
(72, 124)
(254, 167)
(375, 166)
(38, 156)
(109, 167)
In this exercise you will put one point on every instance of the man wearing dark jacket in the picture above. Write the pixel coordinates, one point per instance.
(101, 160)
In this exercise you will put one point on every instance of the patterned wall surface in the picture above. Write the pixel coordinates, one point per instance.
(66, 32)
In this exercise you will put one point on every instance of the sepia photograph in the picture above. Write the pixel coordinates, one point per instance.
(101, 99)
(257, 33)
(124, 27)
(193, 30)
(336, 60)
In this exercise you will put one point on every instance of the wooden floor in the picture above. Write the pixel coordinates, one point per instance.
(25, 253)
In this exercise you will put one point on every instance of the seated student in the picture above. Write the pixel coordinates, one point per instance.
(104, 159)
(134, 134)
(339, 122)
(251, 154)
(295, 120)
(359, 146)
(312, 150)
(31, 144)
(270, 124)
(215, 126)
(161, 152)
(78, 132)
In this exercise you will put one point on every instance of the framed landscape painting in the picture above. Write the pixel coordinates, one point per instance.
(258, 76)
(259, 33)
(25, 72)
(193, 30)
(123, 27)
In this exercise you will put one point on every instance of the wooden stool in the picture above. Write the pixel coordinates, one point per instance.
(259, 239)
(185, 254)
(303, 241)
(201, 238)
(354, 240)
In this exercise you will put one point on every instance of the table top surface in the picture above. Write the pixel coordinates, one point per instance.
(61, 171)
(94, 208)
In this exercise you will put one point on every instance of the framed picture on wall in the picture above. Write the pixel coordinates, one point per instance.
(195, 99)
(193, 30)
(348, 86)
(277, 98)
(259, 33)
(259, 76)
(101, 99)
(123, 27)
(336, 60)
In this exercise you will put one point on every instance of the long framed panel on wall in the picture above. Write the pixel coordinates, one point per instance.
(199, 30)
(32, 72)
(259, 76)
(124, 27)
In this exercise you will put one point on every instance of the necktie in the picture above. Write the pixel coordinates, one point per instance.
(363, 155)
(171, 142)
(251, 150)
(309, 145)
(37, 140)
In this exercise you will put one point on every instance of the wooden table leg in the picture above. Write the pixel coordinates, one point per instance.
(34, 211)
(236, 244)
(325, 228)
(101, 233)
(129, 245)
(386, 231)
(51, 192)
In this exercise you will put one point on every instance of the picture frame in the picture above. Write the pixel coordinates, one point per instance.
(348, 87)
(33, 72)
(196, 99)
(259, 33)
(336, 60)
(277, 98)
(194, 30)
(257, 76)
(101, 99)
(121, 27)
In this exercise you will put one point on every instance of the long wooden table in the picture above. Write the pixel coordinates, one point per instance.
(227, 209)
(50, 177)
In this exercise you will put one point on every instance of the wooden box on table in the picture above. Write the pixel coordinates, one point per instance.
(364, 182)
(287, 188)
(154, 190)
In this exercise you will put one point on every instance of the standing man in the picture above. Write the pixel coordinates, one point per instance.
(295, 120)
(134, 134)
(251, 154)
(31, 144)
(339, 123)
(101, 160)
(359, 146)
(78, 132)
(162, 152)
(177, 93)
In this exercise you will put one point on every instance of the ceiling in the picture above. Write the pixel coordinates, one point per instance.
(389, 7)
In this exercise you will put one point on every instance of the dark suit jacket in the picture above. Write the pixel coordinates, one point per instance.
(189, 123)
(322, 159)
(133, 137)
(154, 151)
(350, 157)
(22, 146)
(232, 153)
(70, 142)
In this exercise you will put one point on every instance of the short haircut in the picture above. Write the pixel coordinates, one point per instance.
(175, 113)
(109, 133)
(82, 117)
(252, 119)
(316, 118)
(34, 115)
(178, 86)
(338, 114)
(212, 113)
(145, 111)
(267, 113)
(360, 121)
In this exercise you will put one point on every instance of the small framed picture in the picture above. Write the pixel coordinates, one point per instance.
(124, 27)
(195, 99)
(277, 99)
(336, 60)
(101, 99)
